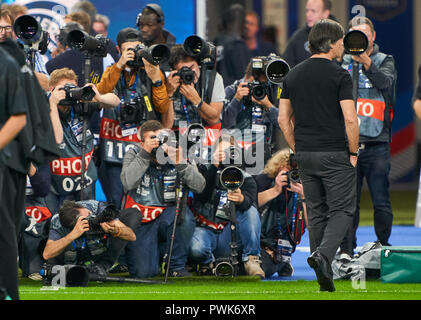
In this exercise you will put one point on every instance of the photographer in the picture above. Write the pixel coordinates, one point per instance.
(375, 109)
(244, 112)
(184, 88)
(142, 90)
(212, 235)
(283, 212)
(66, 171)
(151, 187)
(89, 231)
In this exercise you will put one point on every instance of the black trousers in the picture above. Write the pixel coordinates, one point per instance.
(12, 199)
(329, 182)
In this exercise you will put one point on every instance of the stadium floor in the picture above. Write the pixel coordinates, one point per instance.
(401, 236)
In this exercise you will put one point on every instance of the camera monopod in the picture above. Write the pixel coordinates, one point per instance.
(232, 178)
(179, 209)
(355, 43)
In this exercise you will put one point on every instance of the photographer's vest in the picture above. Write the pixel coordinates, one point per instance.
(37, 214)
(67, 170)
(255, 118)
(157, 190)
(205, 213)
(373, 113)
(185, 113)
(89, 247)
(115, 141)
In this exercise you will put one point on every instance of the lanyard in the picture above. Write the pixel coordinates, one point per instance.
(186, 112)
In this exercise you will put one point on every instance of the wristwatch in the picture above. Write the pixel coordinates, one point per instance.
(355, 154)
(157, 84)
(199, 105)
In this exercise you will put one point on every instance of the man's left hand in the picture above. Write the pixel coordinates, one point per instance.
(235, 196)
(190, 93)
(364, 59)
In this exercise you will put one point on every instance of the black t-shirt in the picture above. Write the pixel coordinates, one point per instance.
(315, 88)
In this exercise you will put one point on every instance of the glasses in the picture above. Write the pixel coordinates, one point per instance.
(5, 28)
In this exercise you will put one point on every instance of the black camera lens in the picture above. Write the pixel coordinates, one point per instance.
(276, 70)
(259, 92)
(224, 269)
(355, 43)
(232, 178)
(28, 29)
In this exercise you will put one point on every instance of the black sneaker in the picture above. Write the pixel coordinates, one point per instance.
(119, 268)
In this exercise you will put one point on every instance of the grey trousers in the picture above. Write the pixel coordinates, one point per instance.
(329, 182)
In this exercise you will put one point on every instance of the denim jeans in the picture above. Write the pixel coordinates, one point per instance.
(153, 239)
(374, 166)
(109, 176)
(207, 245)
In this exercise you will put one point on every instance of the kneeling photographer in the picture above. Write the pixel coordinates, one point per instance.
(251, 102)
(283, 212)
(89, 233)
(140, 84)
(67, 170)
(224, 211)
(152, 183)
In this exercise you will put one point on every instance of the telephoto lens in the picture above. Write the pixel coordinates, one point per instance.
(355, 43)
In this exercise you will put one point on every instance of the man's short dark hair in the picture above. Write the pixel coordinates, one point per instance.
(154, 9)
(150, 125)
(69, 213)
(178, 55)
(323, 34)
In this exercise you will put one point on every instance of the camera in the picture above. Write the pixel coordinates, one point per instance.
(95, 46)
(110, 213)
(272, 66)
(224, 267)
(75, 94)
(29, 31)
(155, 54)
(186, 75)
(232, 178)
(293, 175)
(355, 43)
(131, 112)
(258, 90)
(199, 49)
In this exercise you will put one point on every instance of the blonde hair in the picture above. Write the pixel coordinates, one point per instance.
(57, 75)
(278, 160)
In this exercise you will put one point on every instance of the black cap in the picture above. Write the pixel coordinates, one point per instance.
(128, 35)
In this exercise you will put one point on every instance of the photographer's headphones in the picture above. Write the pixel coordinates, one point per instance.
(156, 9)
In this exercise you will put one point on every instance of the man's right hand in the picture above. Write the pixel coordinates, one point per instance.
(57, 94)
(242, 91)
(150, 144)
(82, 225)
(127, 55)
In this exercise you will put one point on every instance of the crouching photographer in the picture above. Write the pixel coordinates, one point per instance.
(251, 102)
(89, 233)
(224, 211)
(283, 212)
(152, 183)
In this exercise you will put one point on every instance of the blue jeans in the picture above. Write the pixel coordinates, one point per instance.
(374, 165)
(207, 245)
(153, 239)
(109, 176)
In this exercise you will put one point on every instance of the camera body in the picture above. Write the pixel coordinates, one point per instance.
(258, 90)
(74, 94)
(110, 213)
(186, 75)
(131, 112)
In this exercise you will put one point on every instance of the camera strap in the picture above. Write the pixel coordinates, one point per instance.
(297, 224)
